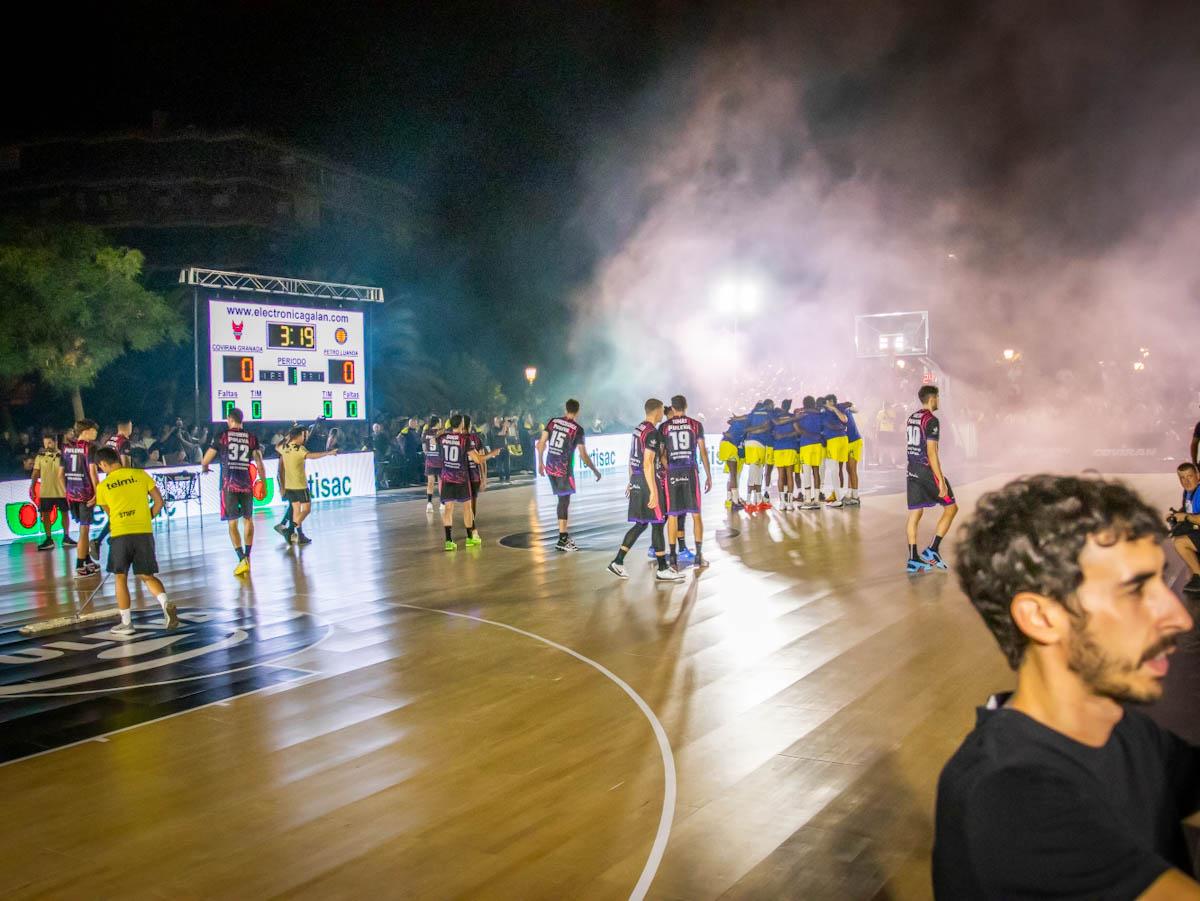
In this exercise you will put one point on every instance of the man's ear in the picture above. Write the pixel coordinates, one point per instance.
(1043, 620)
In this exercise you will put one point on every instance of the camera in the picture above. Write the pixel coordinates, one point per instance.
(1179, 527)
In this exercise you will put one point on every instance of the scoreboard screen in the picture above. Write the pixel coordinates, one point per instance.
(280, 363)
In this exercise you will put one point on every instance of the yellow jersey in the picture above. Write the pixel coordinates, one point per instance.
(48, 463)
(125, 494)
(292, 457)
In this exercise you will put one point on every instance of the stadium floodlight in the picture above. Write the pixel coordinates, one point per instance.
(530, 374)
(738, 295)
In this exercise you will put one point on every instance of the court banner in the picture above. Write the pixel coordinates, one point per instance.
(329, 479)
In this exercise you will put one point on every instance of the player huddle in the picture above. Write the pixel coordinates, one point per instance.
(822, 435)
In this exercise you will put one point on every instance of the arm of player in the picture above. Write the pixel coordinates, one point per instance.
(936, 465)
(317, 455)
(707, 466)
(36, 474)
(648, 469)
(834, 409)
(157, 505)
(583, 455)
(258, 461)
(95, 482)
(209, 456)
(541, 452)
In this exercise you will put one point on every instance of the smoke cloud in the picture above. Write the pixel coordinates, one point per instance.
(1029, 173)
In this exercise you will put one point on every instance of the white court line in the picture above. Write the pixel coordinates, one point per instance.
(664, 745)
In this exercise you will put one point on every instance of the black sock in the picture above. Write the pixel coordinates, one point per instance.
(428, 498)
(674, 558)
(470, 531)
(662, 562)
(246, 550)
(912, 552)
(241, 554)
(448, 533)
(682, 544)
(620, 558)
(699, 544)
(937, 543)
(562, 537)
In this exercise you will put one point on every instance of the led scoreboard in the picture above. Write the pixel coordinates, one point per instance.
(280, 363)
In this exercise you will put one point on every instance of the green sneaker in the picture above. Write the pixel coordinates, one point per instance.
(475, 541)
(451, 546)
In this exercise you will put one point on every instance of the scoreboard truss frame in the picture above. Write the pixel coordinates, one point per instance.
(248, 288)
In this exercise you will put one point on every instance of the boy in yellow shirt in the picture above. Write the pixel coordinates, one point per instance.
(292, 454)
(123, 494)
(47, 468)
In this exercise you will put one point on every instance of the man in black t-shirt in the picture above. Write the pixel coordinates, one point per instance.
(1063, 790)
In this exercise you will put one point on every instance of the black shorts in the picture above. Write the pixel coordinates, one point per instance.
(46, 504)
(236, 505)
(297, 496)
(137, 551)
(639, 494)
(683, 491)
(81, 512)
(562, 486)
(454, 492)
(922, 489)
(433, 467)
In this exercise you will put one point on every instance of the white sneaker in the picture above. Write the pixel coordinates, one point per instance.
(852, 501)
(123, 629)
(617, 570)
(567, 546)
(670, 574)
(810, 505)
(833, 503)
(429, 507)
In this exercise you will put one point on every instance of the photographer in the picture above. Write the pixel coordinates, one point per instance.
(1185, 525)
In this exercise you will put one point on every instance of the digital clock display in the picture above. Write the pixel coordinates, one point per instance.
(270, 375)
(238, 369)
(307, 375)
(341, 372)
(295, 337)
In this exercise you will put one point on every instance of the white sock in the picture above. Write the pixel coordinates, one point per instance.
(854, 493)
(162, 601)
(126, 616)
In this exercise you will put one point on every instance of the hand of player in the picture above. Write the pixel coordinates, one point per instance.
(92, 502)
(541, 469)
(628, 489)
(204, 467)
(707, 484)
(652, 500)
(596, 472)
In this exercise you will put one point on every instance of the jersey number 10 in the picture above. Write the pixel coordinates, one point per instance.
(914, 436)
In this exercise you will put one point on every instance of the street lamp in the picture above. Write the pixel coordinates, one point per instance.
(530, 374)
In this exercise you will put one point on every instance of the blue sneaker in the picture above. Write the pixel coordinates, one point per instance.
(685, 556)
(933, 558)
(917, 567)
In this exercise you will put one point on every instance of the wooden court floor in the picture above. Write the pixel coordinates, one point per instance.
(371, 717)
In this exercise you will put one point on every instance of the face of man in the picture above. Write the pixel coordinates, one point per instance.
(1189, 479)
(48, 442)
(1131, 621)
(87, 435)
(231, 422)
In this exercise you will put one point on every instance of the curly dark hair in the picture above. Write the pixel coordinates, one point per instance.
(1028, 537)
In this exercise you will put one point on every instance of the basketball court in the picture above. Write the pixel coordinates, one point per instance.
(370, 715)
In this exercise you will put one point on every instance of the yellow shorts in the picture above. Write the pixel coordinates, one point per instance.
(727, 451)
(856, 450)
(756, 454)
(838, 449)
(770, 456)
(812, 455)
(785, 457)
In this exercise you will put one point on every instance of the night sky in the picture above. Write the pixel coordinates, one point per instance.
(529, 133)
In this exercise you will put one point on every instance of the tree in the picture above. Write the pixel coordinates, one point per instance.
(71, 304)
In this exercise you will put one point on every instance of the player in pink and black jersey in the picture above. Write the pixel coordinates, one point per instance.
(927, 484)
(556, 460)
(684, 439)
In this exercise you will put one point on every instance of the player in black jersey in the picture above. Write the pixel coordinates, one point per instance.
(119, 442)
(647, 490)
(561, 435)
(927, 485)
(433, 459)
(238, 449)
(457, 453)
(684, 440)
